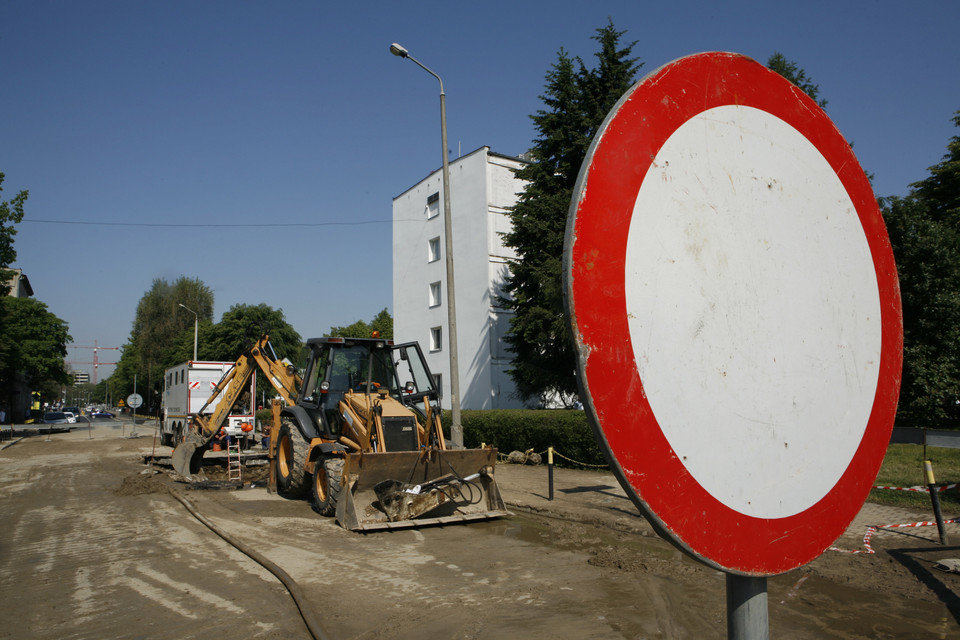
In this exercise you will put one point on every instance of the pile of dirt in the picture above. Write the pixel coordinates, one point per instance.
(141, 483)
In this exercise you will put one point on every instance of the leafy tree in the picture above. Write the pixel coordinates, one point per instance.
(238, 330)
(792, 72)
(11, 213)
(33, 346)
(241, 327)
(158, 322)
(924, 229)
(32, 340)
(382, 322)
(576, 100)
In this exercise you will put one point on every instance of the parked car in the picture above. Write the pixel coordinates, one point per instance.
(74, 410)
(56, 417)
(71, 417)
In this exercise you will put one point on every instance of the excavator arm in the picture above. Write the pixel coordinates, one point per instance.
(187, 456)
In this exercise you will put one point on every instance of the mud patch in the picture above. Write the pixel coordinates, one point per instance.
(630, 561)
(142, 483)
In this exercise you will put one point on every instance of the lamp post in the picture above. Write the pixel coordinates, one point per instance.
(196, 324)
(456, 429)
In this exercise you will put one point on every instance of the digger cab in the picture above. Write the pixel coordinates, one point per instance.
(343, 367)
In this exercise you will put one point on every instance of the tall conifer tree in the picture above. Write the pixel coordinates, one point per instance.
(576, 101)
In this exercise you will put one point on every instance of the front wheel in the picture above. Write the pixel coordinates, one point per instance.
(292, 452)
(327, 481)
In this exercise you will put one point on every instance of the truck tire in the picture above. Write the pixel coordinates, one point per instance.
(327, 481)
(292, 452)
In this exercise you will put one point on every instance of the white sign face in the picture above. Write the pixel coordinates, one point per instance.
(134, 400)
(769, 349)
(735, 310)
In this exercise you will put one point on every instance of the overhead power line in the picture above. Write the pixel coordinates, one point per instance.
(212, 224)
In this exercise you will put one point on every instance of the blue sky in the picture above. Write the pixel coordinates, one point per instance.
(286, 128)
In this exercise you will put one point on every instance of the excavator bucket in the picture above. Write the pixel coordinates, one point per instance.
(416, 488)
(187, 458)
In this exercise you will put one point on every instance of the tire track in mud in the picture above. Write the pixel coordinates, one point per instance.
(92, 558)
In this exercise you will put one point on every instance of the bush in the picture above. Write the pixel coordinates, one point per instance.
(566, 430)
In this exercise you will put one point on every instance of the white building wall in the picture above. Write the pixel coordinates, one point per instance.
(483, 187)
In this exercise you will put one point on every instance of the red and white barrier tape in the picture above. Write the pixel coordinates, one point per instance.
(921, 489)
(872, 529)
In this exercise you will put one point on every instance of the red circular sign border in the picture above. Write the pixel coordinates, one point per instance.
(595, 259)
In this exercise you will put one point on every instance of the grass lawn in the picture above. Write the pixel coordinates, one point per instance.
(903, 467)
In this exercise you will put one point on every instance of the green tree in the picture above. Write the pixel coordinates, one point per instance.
(382, 322)
(11, 213)
(924, 229)
(242, 326)
(576, 100)
(33, 346)
(792, 72)
(158, 322)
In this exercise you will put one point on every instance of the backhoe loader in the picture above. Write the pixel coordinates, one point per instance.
(367, 448)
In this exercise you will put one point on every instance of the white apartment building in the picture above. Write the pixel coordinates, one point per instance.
(482, 188)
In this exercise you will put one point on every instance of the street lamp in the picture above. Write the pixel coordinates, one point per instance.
(196, 324)
(456, 429)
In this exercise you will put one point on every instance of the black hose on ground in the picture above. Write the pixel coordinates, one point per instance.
(309, 618)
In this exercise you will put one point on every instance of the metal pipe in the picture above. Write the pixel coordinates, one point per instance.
(747, 608)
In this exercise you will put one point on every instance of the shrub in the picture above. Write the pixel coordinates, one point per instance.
(566, 430)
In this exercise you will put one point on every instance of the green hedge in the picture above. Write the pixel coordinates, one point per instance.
(566, 430)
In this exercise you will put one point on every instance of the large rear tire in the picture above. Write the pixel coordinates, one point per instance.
(292, 452)
(327, 481)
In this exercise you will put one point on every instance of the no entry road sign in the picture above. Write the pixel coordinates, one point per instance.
(735, 307)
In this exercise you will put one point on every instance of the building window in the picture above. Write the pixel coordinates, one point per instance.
(433, 205)
(433, 249)
(436, 338)
(434, 294)
(438, 383)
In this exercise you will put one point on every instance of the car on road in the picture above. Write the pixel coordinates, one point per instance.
(74, 410)
(102, 414)
(71, 417)
(56, 417)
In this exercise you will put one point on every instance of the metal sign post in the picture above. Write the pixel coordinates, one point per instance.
(735, 309)
(134, 400)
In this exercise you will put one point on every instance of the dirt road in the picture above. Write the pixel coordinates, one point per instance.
(93, 548)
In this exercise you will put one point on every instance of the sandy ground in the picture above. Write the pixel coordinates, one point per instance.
(93, 545)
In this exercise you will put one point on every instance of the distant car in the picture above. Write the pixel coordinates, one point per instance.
(71, 417)
(74, 410)
(102, 414)
(55, 417)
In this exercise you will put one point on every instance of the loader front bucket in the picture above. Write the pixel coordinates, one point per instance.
(415, 488)
(187, 457)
